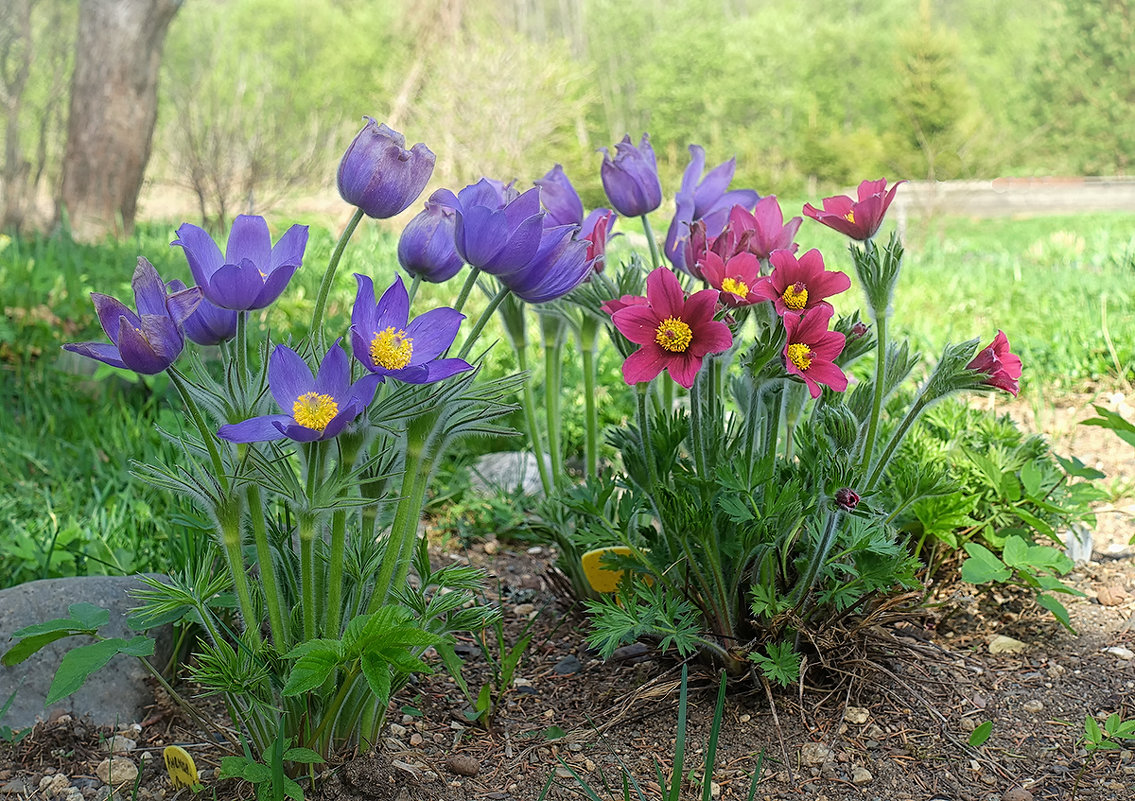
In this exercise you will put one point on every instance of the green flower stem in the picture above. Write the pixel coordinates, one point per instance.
(229, 518)
(912, 415)
(316, 332)
(751, 427)
(466, 288)
(667, 393)
(528, 401)
(332, 712)
(588, 331)
(697, 423)
(805, 583)
(482, 320)
(307, 573)
(404, 529)
(417, 282)
(207, 434)
(773, 431)
(272, 595)
(552, 331)
(655, 256)
(335, 578)
(242, 355)
(641, 392)
(877, 398)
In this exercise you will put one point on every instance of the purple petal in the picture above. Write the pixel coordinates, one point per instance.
(257, 429)
(288, 377)
(432, 333)
(295, 431)
(274, 284)
(363, 312)
(479, 233)
(110, 311)
(249, 239)
(289, 250)
(393, 307)
(360, 347)
(138, 354)
(149, 289)
(236, 286)
(711, 189)
(334, 373)
(519, 249)
(201, 252)
(180, 305)
(430, 372)
(362, 391)
(349, 412)
(100, 351)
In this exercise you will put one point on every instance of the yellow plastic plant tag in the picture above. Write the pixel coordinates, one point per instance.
(179, 765)
(600, 577)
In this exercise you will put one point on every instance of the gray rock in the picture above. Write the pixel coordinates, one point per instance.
(507, 471)
(568, 666)
(113, 696)
(815, 754)
(861, 776)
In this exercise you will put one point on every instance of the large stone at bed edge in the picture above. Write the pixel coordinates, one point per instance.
(115, 695)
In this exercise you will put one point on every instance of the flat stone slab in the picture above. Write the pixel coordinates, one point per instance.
(507, 471)
(114, 695)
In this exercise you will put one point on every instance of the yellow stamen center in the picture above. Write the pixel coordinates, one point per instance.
(673, 335)
(850, 216)
(391, 348)
(314, 411)
(796, 296)
(737, 287)
(800, 355)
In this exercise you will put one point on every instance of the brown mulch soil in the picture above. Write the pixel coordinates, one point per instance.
(891, 725)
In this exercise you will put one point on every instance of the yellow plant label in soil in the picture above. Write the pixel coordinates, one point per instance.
(179, 765)
(600, 577)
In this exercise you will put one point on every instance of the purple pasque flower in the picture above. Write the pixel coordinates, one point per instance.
(387, 344)
(561, 201)
(252, 272)
(209, 324)
(631, 178)
(426, 249)
(314, 408)
(148, 341)
(496, 230)
(707, 199)
(379, 175)
(560, 265)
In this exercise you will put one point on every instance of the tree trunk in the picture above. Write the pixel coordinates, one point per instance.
(114, 105)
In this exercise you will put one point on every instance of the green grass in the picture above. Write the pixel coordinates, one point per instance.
(67, 432)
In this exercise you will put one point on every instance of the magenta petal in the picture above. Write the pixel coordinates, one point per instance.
(644, 364)
(684, 368)
(711, 337)
(664, 293)
(637, 323)
(827, 373)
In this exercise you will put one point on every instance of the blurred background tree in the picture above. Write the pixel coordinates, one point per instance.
(258, 98)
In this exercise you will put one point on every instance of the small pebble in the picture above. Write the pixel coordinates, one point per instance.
(1033, 706)
(1126, 654)
(416, 739)
(116, 771)
(523, 610)
(463, 765)
(1005, 645)
(1017, 794)
(861, 776)
(856, 714)
(119, 745)
(815, 753)
(567, 666)
(491, 547)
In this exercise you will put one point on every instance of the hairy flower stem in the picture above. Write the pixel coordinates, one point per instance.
(404, 530)
(242, 356)
(772, 432)
(805, 583)
(207, 434)
(308, 526)
(329, 278)
(466, 288)
(877, 398)
(655, 256)
(272, 596)
(641, 392)
(228, 515)
(475, 334)
(417, 282)
(588, 330)
(552, 333)
(528, 400)
(912, 415)
(335, 576)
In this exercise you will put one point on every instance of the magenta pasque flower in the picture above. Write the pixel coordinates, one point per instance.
(1002, 367)
(595, 230)
(737, 278)
(707, 200)
(379, 175)
(811, 350)
(387, 343)
(798, 285)
(857, 219)
(314, 408)
(760, 231)
(148, 341)
(675, 332)
(630, 179)
(252, 272)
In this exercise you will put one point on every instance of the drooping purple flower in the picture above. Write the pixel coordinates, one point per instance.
(379, 175)
(209, 324)
(252, 272)
(560, 265)
(426, 248)
(494, 232)
(708, 200)
(631, 178)
(148, 341)
(387, 343)
(314, 408)
(559, 197)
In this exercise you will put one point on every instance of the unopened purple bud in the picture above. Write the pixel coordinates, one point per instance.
(859, 330)
(379, 175)
(847, 498)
